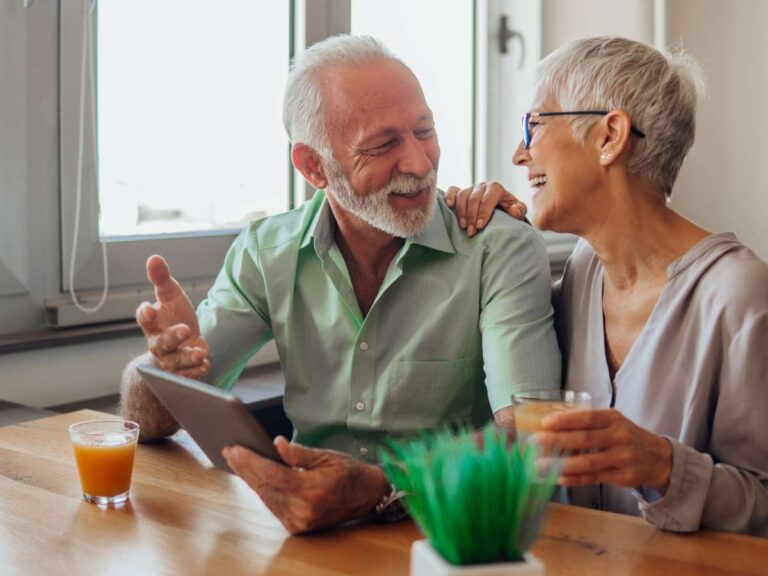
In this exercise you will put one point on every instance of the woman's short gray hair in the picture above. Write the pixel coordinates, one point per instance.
(303, 101)
(658, 91)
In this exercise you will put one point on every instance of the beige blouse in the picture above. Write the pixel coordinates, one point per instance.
(697, 374)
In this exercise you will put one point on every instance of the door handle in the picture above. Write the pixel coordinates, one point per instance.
(506, 34)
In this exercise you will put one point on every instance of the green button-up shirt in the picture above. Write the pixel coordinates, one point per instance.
(458, 325)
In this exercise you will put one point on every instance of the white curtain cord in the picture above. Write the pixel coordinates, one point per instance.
(87, 50)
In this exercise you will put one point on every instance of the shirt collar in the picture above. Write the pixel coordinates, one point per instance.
(323, 226)
(435, 235)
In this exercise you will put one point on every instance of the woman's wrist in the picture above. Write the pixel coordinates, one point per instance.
(664, 467)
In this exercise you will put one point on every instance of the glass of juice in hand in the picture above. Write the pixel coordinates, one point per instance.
(531, 408)
(104, 452)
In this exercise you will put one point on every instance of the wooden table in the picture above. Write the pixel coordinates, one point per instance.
(185, 517)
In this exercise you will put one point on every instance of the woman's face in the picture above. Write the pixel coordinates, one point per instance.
(564, 174)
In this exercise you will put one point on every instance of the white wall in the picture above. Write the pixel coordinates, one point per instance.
(723, 184)
(566, 20)
(724, 181)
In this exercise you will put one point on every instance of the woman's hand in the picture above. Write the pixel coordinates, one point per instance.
(607, 447)
(474, 205)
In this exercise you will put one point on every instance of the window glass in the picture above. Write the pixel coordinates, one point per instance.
(190, 135)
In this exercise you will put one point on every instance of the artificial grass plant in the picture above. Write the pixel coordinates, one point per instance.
(475, 498)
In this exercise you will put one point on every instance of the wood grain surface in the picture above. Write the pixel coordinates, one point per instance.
(186, 517)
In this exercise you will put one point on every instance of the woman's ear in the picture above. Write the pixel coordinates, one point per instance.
(309, 163)
(614, 136)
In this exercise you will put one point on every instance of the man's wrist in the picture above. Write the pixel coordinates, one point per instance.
(388, 506)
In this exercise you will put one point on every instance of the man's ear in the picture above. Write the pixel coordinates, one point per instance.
(614, 136)
(307, 161)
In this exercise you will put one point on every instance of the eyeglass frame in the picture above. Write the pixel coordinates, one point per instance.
(527, 137)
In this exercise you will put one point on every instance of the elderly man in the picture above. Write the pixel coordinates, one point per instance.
(387, 317)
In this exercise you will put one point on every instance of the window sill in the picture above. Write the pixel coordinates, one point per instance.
(79, 335)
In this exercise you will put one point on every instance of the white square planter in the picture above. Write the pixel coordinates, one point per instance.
(426, 562)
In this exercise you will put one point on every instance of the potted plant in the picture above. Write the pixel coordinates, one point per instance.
(478, 501)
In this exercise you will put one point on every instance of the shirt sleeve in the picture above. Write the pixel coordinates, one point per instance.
(234, 317)
(727, 487)
(516, 321)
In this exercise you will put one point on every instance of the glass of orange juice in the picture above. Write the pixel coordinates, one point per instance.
(530, 408)
(104, 452)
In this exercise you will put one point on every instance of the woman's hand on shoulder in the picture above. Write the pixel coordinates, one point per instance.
(474, 205)
(607, 447)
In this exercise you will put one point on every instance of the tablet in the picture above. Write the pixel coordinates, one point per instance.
(214, 418)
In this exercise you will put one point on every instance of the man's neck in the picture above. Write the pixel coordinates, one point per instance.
(370, 249)
(367, 251)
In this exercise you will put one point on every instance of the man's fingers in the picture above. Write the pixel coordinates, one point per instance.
(146, 318)
(259, 472)
(169, 340)
(187, 358)
(198, 372)
(166, 287)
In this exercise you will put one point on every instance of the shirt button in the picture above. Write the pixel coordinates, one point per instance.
(363, 346)
(360, 406)
(363, 451)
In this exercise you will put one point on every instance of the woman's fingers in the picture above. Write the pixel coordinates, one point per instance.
(580, 419)
(450, 195)
(576, 440)
(474, 204)
(461, 207)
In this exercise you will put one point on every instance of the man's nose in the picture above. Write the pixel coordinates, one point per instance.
(521, 156)
(414, 158)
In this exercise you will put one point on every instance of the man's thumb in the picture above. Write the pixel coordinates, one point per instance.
(296, 455)
(160, 276)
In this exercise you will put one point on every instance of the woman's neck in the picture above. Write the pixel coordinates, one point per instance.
(639, 236)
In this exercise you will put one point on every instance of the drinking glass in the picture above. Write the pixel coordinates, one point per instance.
(104, 451)
(532, 407)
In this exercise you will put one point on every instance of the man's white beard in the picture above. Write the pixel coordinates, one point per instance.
(375, 208)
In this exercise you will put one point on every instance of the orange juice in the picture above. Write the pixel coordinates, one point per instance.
(105, 464)
(528, 416)
(104, 452)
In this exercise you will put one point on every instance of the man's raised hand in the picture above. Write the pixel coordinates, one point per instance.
(170, 325)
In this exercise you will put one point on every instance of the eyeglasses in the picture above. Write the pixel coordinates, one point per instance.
(528, 115)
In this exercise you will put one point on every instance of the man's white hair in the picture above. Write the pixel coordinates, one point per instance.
(303, 115)
(658, 91)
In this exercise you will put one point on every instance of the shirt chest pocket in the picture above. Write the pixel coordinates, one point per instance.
(427, 394)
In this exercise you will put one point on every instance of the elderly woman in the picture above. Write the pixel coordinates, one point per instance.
(664, 323)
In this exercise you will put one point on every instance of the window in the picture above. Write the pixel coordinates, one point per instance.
(190, 136)
(188, 125)
(188, 129)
